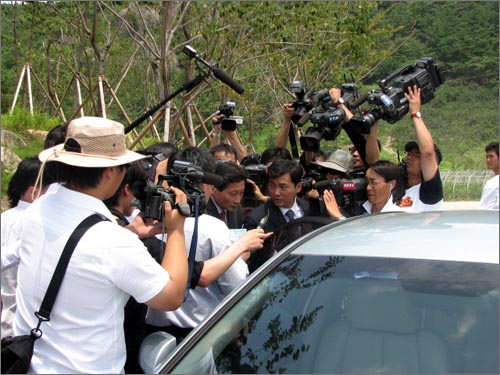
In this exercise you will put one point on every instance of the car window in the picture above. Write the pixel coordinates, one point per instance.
(328, 314)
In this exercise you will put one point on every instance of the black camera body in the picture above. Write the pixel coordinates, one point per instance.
(302, 104)
(183, 175)
(390, 102)
(228, 121)
(350, 194)
(258, 174)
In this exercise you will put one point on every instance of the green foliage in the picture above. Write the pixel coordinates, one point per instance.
(21, 119)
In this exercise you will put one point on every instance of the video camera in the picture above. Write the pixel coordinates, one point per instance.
(327, 120)
(390, 101)
(350, 194)
(183, 175)
(228, 121)
(256, 172)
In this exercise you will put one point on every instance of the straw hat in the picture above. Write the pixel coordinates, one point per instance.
(92, 142)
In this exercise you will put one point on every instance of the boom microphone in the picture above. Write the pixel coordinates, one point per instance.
(206, 177)
(224, 77)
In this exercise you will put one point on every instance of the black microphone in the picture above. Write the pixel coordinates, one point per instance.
(321, 185)
(224, 77)
(206, 177)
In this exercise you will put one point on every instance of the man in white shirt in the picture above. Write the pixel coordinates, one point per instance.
(109, 264)
(21, 193)
(489, 197)
(213, 244)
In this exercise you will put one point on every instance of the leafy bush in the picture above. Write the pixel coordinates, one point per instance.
(21, 119)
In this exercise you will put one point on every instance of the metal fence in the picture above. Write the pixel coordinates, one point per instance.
(465, 179)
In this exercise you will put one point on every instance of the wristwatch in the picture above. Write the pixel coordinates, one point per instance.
(416, 114)
(339, 102)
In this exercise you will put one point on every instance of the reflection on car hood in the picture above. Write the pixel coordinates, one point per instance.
(470, 235)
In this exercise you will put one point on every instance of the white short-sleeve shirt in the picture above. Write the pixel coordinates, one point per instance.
(109, 264)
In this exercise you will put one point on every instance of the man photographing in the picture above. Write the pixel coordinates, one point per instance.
(109, 264)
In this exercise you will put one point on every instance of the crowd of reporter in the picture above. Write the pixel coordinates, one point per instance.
(132, 273)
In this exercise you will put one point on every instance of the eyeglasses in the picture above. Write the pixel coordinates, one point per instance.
(352, 150)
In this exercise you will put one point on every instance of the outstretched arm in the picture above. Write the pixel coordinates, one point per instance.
(428, 160)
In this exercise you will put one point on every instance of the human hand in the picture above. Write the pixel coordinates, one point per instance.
(145, 228)
(335, 94)
(257, 192)
(331, 205)
(254, 239)
(288, 111)
(413, 97)
(173, 219)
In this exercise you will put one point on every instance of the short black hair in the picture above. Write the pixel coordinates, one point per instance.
(199, 157)
(24, 177)
(413, 145)
(223, 147)
(135, 176)
(492, 146)
(274, 153)
(231, 173)
(81, 177)
(387, 169)
(55, 136)
(281, 167)
(167, 148)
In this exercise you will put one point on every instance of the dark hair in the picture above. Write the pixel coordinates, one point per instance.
(387, 169)
(492, 146)
(167, 148)
(281, 167)
(24, 177)
(414, 145)
(136, 174)
(81, 177)
(231, 173)
(199, 157)
(225, 148)
(55, 136)
(274, 153)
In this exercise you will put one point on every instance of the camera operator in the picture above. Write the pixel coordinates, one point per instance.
(231, 136)
(213, 244)
(224, 152)
(109, 264)
(424, 189)
(383, 178)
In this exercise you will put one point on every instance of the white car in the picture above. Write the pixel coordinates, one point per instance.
(384, 293)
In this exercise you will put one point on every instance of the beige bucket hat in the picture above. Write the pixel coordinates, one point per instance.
(92, 142)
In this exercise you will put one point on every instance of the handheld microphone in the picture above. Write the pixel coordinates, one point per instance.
(224, 78)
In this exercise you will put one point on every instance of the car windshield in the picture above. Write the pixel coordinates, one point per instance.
(358, 314)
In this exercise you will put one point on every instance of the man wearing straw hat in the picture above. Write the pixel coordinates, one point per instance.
(109, 264)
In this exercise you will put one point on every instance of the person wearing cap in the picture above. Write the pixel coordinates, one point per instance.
(424, 188)
(109, 264)
(337, 164)
(383, 177)
(489, 196)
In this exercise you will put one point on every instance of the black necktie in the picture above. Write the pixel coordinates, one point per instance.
(289, 215)
(223, 216)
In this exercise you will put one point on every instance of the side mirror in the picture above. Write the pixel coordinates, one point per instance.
(155, 348)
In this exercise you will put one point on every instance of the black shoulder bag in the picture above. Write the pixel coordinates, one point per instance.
(18, 350)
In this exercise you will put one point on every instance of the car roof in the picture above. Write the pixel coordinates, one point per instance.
(459, 235)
